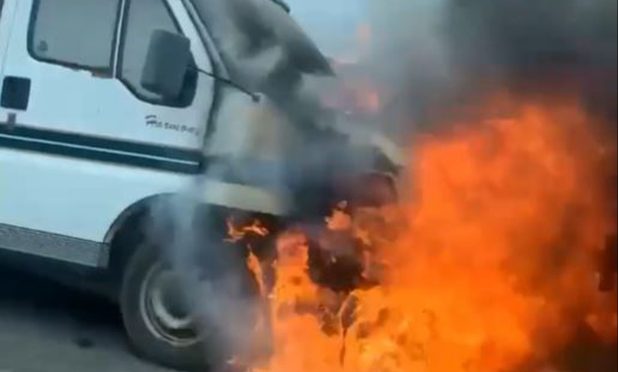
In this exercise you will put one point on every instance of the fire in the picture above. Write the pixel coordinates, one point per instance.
(237, 232)
(493, 267)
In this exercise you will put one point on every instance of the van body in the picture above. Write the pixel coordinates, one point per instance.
(86, 147)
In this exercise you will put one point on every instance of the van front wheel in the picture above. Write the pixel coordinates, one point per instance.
(156, 317)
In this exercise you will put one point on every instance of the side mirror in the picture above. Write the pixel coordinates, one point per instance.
(167, 63)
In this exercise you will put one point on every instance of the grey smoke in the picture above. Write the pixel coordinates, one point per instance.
(215, 285)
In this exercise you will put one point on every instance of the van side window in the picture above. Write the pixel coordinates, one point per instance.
(143, 17)
(74, 33)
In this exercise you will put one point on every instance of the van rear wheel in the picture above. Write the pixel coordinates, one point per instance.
(157, 320)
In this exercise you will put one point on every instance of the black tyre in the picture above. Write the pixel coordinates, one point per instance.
(158, 323)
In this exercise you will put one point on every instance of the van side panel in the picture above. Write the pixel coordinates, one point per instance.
(73, 197)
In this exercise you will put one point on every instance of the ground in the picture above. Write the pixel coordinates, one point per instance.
(45, 327)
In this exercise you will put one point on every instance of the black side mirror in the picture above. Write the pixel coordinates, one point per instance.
(167, 64)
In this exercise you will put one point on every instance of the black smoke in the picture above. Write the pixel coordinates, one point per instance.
(538, 45)
(434, 56)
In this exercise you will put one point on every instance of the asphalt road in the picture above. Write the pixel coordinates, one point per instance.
(45, 327)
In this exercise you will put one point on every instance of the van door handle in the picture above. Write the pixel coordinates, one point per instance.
(15, 93)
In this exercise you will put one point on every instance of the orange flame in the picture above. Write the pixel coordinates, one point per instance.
(237, 233)
(495, 266)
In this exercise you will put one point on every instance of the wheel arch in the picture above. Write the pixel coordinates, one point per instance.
(123, 235)
(125, 232)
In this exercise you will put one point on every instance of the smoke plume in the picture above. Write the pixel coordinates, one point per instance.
(435, 55)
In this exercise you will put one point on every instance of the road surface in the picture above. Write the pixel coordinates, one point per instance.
(45, 327)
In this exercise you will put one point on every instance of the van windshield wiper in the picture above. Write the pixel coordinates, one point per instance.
(282, 4)
(254, 96)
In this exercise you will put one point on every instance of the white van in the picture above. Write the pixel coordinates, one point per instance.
(110, 106)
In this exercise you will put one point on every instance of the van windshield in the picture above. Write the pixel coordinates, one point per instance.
(256, 37)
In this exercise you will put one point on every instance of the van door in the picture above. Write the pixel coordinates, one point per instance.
(83, 61)
(80, 139)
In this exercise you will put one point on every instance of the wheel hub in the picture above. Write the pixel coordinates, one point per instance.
(164, 308)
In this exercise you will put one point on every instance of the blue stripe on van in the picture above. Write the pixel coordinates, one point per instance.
(100, 149)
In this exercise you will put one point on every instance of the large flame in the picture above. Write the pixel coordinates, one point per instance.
(494, 267)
